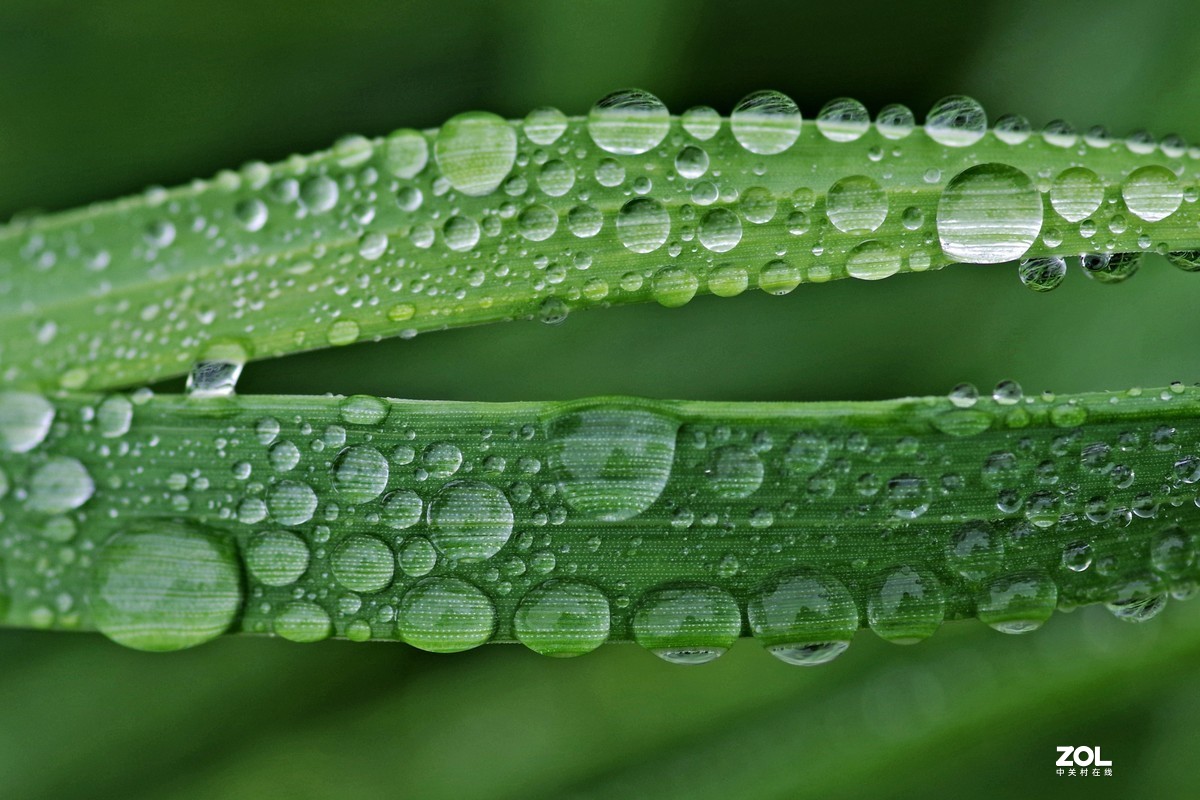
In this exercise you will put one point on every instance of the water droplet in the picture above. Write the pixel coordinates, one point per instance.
(734, 472)
(628, 122)
(673, 287)
(319, 194)
(360, 474)
(611, 463)
(59, 485)
(405, 153)
(1137, 599)
(873, 260)
(164, 586)
(758, 205)
(114, 415)
(687, 624)
(445, 615)
(778, 277)
(361, 409)
(1043, 273)
(908, 496)
(956, 121)
(989, 213)
(418, 557)
(803, 617)
(556, 178)
(856, 204)
(251, 213)
(843, 120)
(562, 618)
(1007, 393)
(691, 162)
(277, 558)
(906, 604)
(766, 122)
(720, 230)
(1186, 260)
(974, 550)
(585, 221)
(461, 233)
(1152, 193)
(303, 622)
(292, 502)
(544, 125)
(895, 121)
(1076, 194)
(25, 420)
(1018, 602)
(1172, 552)
(728, 280)
(1077, 556)
(1013, 129)
(964, 395)
(470, 520)
(643, 225)
(702, 122)
(475, 152)
(362, 563)
(1110, 268)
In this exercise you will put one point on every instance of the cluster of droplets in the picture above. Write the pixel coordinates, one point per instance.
(371, 525)
(487, 218)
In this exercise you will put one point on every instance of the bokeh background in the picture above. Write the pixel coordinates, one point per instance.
(99, 99)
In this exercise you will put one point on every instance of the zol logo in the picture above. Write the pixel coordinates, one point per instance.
(1081, 761)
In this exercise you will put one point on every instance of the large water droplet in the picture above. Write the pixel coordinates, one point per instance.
(165, 586)
(59, 485)
(1152, 193)
(445, 615)
(563, 618)
(1076, 194)
(405, 153)
(906, 604)
(475, 151)
(687, 624)
(734, 472)
(804, 617)
(277, 558)
(360, 473)
(25, 420)
(766, 122)
(628, 122)
(611, 463)
(843, 120)
(1043, 273)
(292, 502)
(1018, 602)
(720, 230)
(873, 260)
(989, 213)
(362, 563)
(956, 121)
(856, 205)
(470, 520)
(643, 225)
(303, 622)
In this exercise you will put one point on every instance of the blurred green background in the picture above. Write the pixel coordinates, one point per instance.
(102, 99)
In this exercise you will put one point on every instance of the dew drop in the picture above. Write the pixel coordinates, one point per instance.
(360, 473)
(803, 617)
(164, 586)
(673, 287)
(701, 122)
(362, 563)
(766, 122)
(1152, 193)
(277, 558)
(563, 618)
(720, 230)
(445, 615)
(989, 213)
(319, 194)
(687, 624)
(59, 485)
(303, 622)
(25, 420)
(1076, 194)
(873, 260)
(628, 122)
(611, 463)
(856, 204)
(544, 125)
(895, 121)
(956, 121)
(475, 152)
(405, 153)
(643, 225)
(470, 520)
(292, 502)
(843, 120)
(1043, 273)
(906, 604)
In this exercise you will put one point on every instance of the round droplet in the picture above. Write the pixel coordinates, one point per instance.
(585, 221)
(470, 520)
(405, 153)
(734, 472)
(164, 586)
(461, 233)
(562, 618)
(843, 120)
(702, 122)
(673, 287)
(908, 496)
(803, 617)
(402, 509)
(1152, 193)
(360, 474)
(544, 125)
(59, 485)
(906, 604)
(1186, 260)
(1076, 194)
(25, 420)
(691, 162)
(114, 415)
(1018, 602)
(1077, 556)
(964, 395)
(872, 261)
(277, 558)
(895, 121)
(537, 222)
(856, 204)
(989, 213)
(643, 225)
(362, 409)
(611, 463)
(292, 502)
(1137, 599)
(319, 194)
(1172, 551)
(974, 550)
(956, 121)
(1013, 129)
(628, 122)
(303, 622)
(728, 280)
(778, 277)
(445, 615)
(475, 152)
(251, 213)
(1110, 267)
(418, 557)
(363, 563)
(720, 230)
(687, 624)
(758, 205)
(1043, 273)
(556, 178)
(766, 122)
